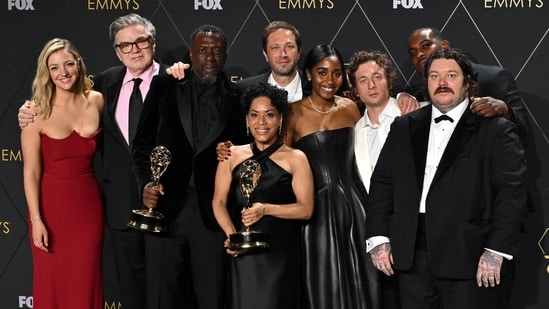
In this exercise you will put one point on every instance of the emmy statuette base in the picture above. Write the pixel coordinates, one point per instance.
(148, 221)
(248, 239)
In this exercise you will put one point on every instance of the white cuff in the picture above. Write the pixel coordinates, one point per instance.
(505, 256)
(375, 241)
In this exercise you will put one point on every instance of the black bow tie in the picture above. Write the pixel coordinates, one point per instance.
(443, 117)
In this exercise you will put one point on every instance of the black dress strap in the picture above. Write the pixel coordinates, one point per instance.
(259, 155)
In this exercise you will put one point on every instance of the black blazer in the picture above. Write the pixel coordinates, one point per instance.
(113, 165)
(476, 200)
(500, 84)
(166, 120)
(242, 84)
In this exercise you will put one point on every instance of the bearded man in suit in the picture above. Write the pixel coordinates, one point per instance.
(189, 117)
(447, 197)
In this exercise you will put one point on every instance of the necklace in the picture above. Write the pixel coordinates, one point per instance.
(319, 110)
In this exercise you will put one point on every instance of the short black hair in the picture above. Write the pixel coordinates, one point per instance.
(278, 97)
(206, 29)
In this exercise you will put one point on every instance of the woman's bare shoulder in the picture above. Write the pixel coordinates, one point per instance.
(343, 100)
(239, 153)
(348, 105)
(96, 99)
(292, 153)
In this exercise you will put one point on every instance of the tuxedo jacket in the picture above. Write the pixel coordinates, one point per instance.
(476, 200)
(114, 165)
(362, 153)
(241, 85)
(166, 120)
(500, 84)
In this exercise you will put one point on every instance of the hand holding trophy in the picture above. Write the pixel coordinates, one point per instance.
(149, 220)
(248, 238)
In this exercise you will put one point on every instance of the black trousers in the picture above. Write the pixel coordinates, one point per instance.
(192, 263)
(136, 262)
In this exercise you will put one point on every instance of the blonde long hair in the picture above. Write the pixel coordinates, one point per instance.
(43, 87)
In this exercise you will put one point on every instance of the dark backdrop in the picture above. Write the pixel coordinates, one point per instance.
(508, 33)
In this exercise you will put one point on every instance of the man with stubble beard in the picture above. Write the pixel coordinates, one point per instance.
(190, 117)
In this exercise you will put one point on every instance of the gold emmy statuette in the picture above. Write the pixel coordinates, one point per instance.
(149, 220)
(248, 238)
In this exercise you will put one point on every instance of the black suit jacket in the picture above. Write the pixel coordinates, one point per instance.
(242, 84)
(476, 200)
(113, 168)
(500, 84)
(166, 120)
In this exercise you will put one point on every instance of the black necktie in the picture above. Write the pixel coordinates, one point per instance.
(443, 117)
(136, 103)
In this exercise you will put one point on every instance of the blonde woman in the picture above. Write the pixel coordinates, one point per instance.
(63, 198)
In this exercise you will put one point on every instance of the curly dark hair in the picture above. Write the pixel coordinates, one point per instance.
(381, 58)
(278, 97)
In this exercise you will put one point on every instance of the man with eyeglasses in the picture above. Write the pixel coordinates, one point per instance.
(133, 39)
(135, 252)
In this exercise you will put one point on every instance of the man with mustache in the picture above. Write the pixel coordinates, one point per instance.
(447, 197)
(190, 117)
(498, 94)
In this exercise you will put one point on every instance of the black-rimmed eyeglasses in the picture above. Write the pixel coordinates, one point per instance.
(127, 47)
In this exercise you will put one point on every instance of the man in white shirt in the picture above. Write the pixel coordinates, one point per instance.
(281, 49)
(372, 76)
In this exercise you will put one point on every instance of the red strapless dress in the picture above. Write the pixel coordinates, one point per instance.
(70, 275)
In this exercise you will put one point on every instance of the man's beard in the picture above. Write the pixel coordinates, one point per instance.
(209, 78)
(284, 72)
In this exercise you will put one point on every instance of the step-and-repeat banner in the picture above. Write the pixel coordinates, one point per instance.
(508, 33)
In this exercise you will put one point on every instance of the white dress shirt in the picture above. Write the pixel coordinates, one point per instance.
(370, 138)
(294, 89)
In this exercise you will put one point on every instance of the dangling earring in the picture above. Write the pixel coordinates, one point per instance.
(247, 131)
(279, 130)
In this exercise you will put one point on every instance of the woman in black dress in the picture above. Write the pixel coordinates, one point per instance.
(268, 278)
(338, 273)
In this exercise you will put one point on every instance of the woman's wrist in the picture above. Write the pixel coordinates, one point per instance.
(35, 218)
